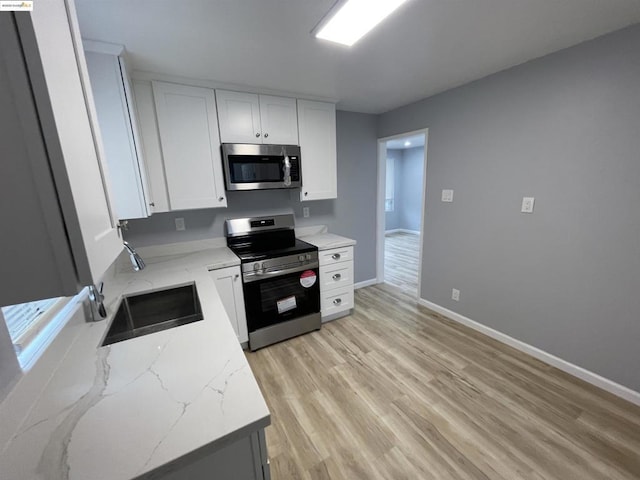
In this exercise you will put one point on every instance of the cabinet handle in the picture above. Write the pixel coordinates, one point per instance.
(220, 199)
(306, 193)
(257, 135)
(152, 204)
(266, 135)
(337, 301)
(236, 276)
(337, 277)
(336, 256)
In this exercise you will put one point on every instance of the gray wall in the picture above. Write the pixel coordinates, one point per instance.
(408, 170)
(409, 192)
(566, 129)
(393, 219)
(9, 368)
(352, 214)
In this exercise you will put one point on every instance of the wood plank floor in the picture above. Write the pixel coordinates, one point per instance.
(396, 391)
(401, 254)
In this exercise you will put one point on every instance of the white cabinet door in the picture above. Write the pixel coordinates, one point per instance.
(317, 125)
(229, 284)
(279, 120)
(239, 115)
(92, 232)
(116, 127)
(188, 128)
(145, 108)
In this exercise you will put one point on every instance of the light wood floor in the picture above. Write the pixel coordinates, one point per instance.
(401, 254)
(396, 391)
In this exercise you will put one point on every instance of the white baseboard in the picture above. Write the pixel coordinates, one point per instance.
(579, 372)
(401, 230)
(365, 283)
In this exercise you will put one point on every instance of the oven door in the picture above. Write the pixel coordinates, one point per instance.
(277, 298)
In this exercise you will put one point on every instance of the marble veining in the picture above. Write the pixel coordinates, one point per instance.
(54, 462)
(129, 409)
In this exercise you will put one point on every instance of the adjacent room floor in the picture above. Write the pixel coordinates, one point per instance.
(396, 391)
(401, 255)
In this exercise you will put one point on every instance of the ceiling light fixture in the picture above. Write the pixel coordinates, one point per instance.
(349, 20)
(407, 143)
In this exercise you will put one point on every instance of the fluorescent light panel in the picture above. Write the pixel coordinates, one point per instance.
(355, 18)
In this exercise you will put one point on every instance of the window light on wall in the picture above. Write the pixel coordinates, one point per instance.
(33, 325)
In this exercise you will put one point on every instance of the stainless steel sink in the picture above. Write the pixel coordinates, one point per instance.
(145, 313)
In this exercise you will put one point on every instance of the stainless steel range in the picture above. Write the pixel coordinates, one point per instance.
(280, 278)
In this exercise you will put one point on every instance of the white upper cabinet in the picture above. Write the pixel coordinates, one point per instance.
(188, 128)
(118, 127)
(54, 188)
(279, 120)
(251, 118)
(318, 157)
(239, 116)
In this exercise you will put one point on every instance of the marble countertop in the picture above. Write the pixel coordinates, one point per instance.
(139, 407)
(326, 241)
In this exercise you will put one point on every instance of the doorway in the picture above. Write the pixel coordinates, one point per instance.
(402, 162)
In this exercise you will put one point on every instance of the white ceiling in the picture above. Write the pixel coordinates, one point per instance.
(425, 47)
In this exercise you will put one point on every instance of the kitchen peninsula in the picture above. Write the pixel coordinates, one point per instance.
(184, 399)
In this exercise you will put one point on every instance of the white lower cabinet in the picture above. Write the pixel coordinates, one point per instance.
(336, 282)
(245, 459)
(228, 281)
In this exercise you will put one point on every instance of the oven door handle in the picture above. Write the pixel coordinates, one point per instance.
(249, 277)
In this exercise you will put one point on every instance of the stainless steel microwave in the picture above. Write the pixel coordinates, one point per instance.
(259, 167)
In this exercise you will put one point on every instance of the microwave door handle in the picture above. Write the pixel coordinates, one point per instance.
(287, 171)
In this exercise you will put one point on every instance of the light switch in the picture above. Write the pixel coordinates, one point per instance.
(180, 224)
(447, 195)
(305, 212)
(527, 204)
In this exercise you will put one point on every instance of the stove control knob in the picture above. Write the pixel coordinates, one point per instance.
(308, 256)
(256, 267)
(301, 258)
(263, 266)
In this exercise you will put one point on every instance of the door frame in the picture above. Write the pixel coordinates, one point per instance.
(380, 213)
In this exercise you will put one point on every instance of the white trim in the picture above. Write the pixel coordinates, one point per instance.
(365, 283)
(102, 47)
(380, 211)
(568, 367)
(145, 76)
(402, 230)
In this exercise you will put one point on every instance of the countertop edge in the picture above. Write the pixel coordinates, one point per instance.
(205, 450)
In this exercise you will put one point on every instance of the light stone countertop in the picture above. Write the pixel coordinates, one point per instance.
(326, 241)
(139, 407)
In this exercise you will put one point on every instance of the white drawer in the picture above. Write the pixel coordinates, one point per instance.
(335, 301)
(335, 255)
(336, 276)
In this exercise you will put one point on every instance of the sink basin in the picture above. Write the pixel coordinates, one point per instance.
(145, 313)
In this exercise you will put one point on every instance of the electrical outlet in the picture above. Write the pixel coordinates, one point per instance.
(447, 195)
(527, 204)
(180, 224)
(305, 212)
(455, 294)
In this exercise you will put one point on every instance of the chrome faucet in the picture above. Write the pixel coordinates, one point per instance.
(136, 260)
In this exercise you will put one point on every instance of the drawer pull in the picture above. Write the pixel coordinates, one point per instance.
(337, 277)
(337, 301)
(336, 256)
